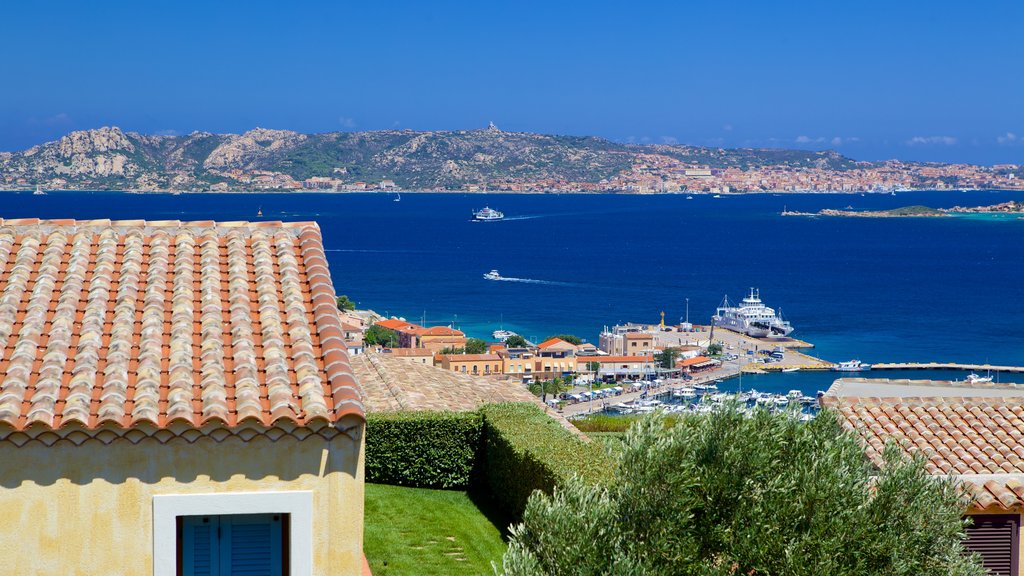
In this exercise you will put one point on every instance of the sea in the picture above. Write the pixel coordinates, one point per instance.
(874, 289)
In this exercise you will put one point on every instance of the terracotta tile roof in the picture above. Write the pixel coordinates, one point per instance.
(396, 324)
(550, 342)
(694, 361)
(434, 331)
(409, 352)
(131, 323)
(394, 383)
(978, 439)
(401, 384)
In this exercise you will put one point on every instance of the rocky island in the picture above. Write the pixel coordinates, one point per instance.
(1011, 207)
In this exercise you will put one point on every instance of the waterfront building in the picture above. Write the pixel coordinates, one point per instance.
(627, 340)
(168, 384)
(616, 367)
(555, 358)
(968, 432)
(697, 364)
(434, 338)
(475, 364)
(518, 362)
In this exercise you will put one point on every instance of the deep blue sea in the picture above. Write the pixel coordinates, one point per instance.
(900, 289)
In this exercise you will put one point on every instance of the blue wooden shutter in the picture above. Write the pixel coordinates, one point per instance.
(250, 545)
(200, 552)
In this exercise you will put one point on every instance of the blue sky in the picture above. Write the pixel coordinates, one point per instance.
(916, 80)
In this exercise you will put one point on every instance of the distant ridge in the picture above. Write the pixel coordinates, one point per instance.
(485, 159)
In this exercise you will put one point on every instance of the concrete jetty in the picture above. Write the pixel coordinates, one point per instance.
(945, 366)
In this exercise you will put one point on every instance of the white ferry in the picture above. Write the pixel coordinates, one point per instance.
(752, 318)
(488, 214)
(852, 366)
(503, 335)
(492, 275)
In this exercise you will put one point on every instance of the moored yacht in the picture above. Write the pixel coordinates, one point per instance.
(752, 318)
(852, 366)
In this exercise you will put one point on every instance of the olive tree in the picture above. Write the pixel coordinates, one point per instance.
(734, 494)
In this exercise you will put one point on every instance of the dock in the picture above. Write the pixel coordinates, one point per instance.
(946, 366)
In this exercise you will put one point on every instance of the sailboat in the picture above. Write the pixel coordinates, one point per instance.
(39, 191)
(398, 197)
(259, 212)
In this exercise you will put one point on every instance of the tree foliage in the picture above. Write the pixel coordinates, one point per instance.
(725, 494)
(515, 341)
(667, 357)
(553, 387)
(570, 338)
(475, 346)
(380, 336)
(345, 304)
(714, 348)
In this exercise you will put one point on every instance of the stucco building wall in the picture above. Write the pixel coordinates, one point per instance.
(87, 509)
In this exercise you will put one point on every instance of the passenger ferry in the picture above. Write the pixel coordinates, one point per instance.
(488, 214)
(752, 318)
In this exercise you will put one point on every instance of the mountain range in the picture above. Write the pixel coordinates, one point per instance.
(110, 158)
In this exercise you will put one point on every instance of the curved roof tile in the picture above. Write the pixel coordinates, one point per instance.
(134, 323)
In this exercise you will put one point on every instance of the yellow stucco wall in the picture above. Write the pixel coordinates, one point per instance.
(87, 510)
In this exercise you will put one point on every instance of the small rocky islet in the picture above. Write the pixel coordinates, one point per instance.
(1011, 207)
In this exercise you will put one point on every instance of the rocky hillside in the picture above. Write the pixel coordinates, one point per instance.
(112, 159)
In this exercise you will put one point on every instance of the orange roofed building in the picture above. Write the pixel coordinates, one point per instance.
(163, 384)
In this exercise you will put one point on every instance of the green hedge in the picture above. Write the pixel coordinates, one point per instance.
(527, 450)
(422, 449)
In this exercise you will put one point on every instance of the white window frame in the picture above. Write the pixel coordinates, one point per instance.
(297, 504)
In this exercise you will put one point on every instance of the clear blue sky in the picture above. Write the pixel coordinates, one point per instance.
(929, 80)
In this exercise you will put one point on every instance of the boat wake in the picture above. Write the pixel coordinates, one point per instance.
(533, 281)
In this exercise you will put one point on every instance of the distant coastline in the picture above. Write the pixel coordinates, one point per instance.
(719, 195)
(462, 161)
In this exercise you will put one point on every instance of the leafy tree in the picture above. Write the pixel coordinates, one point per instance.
(515, 341)
(667, 357)
(714, 349)
(475, 346)
(726, 494)
(380, 336)
(552, 387)
(345, 304)
(452, 350)
(571, 339)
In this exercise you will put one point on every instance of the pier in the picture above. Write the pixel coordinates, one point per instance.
(946, 366)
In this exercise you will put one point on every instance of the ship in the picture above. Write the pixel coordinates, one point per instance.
(851, 366)
(487, 214)
(492, 275)
(39, 191)
(752, 318)
(503, 335)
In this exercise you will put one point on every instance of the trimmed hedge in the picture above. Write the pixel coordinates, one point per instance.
(422, 449)
(527, 450)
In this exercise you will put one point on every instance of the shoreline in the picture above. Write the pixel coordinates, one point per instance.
(722, 195)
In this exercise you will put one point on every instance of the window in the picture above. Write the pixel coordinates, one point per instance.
(996, 539)
(247, 514)
(233, 545)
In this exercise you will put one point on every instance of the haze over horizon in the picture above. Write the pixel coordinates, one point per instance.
(935, 81)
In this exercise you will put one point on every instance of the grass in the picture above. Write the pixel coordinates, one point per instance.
(425, 532)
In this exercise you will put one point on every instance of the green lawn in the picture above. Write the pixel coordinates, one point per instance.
(423, 532)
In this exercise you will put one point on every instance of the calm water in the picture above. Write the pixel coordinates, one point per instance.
(945, 289)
